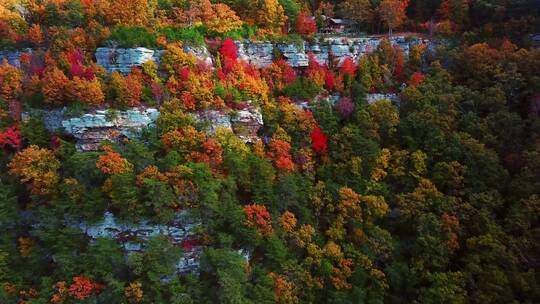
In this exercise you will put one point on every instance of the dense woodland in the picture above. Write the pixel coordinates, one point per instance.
(435, 199)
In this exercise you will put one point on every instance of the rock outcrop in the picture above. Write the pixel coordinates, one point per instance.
(394, 98)
(90, 129)
(123, 59)
(211, 120)
(133, 236)
(13, 57)
(246, 124)
(259, 53)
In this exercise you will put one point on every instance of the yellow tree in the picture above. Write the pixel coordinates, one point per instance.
(54, 86)
(129, 12)
(285, 291)
(10, 82)
(37, 167)
(287, 221)
(223, 19)
(88, 92)
(270, 17)
(134, 293)
(193, 12)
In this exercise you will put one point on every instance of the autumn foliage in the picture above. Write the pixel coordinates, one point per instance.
(319, 141)
(82, 288)
(288, 221)
(10, 137)
(280, 154)
(127, 91)
(305, 25)
(134, 293)
(259, 218)
(400, 169)
(416, 79)
(37, 167)
(223, 19)
(113, 163)
(128, 12)
(54, 86)
(393, 12)
(10, 82)
(348, 67)
(88, 92)
(279, 74)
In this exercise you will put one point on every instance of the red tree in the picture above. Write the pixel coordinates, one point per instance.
(228, 49)
(75, 59)
(229, 55)
(10, 137)
(319, 141)
(329, 80)
(279, 152)
(305, 25)
(348, 67)
(259, 218)
(416, 79)
(82, 287)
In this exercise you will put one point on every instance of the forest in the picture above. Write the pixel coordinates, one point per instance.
(269, 151)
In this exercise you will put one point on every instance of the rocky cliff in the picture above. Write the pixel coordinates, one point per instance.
(90, 129)
(260, 53)
(122, 60)
(133, 236)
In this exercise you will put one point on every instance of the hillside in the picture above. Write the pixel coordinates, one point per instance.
(290, 151)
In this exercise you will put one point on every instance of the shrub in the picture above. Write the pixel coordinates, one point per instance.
(245, 32)
(193, 36)
(133, 36)
(302, 89)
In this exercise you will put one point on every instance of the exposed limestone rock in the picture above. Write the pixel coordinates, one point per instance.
(394, 98)
(325, 49)
(211, 120)
(92, 128)
(122, 60)
(258, 53)
(246, 123)
(201, 53)
(133, 236)
(294, 54)
(13, 57)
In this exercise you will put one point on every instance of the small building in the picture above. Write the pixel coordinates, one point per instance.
(336, 25)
